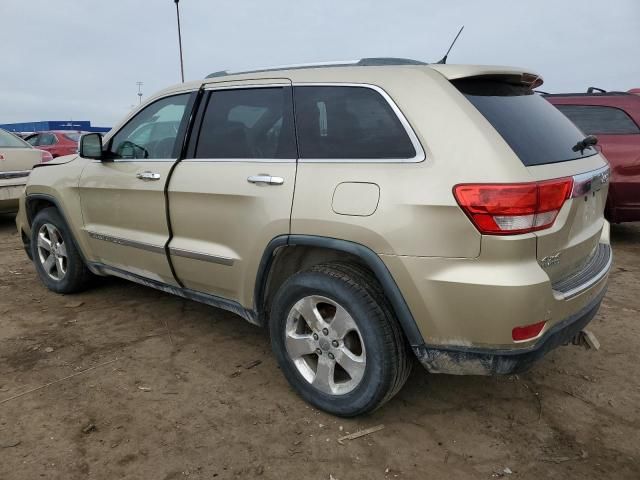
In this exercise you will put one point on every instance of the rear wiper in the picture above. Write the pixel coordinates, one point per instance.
(586, 142)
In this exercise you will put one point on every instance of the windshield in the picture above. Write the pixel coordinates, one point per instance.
(8, 140)
(536, 131)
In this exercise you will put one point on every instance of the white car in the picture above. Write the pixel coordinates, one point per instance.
(17, 158)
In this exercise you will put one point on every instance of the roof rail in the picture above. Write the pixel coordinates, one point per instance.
(595, 89)
(587, 94)
(363, 62)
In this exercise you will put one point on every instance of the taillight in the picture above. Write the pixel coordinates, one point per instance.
(46, 156)
(527, 332)
(510, 209)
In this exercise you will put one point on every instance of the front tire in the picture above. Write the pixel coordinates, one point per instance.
(337, 341)
(55, 256)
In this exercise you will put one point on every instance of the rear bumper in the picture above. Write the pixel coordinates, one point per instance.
(482, 361)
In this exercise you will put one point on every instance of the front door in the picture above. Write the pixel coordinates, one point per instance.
(234, 192)
(123, 198)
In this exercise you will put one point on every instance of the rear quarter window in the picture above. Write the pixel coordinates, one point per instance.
(345, 122)
(537, 132)
(595, 119)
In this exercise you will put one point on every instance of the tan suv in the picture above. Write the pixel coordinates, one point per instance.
(363, 212)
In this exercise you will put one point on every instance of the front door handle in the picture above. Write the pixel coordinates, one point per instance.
(265, 179)
(148, 176)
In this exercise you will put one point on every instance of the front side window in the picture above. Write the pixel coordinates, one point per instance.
(152, 133)
(248, 123)
(336, 122)
(594, 120)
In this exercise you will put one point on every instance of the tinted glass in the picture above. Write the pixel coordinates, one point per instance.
(248, 123)
(47, 139)
(33, 140)
(348, 122)
(599, 120)
(152, 133)
(536, 131)
(8, 140)
(73, 136)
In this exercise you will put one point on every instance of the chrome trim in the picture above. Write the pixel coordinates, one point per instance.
(147, 176)
(238, 85)
(239, 160)
(14, 174)
(266, 179)
(205, 257)
(126, 242)
(420, 154)
(589, 283)
(590, 181)
(131, 160)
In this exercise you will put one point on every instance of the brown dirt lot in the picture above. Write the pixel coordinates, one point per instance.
(179, 401)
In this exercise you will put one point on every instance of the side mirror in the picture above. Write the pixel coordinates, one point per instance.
(91, 146)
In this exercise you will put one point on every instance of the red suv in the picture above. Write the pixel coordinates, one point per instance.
(614, 118)
(57, 143)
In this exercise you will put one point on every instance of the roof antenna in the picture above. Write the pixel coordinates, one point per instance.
(443, 60)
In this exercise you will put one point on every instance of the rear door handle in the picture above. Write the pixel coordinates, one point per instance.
(266, 179)
(148, 176)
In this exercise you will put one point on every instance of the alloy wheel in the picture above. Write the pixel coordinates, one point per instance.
(325, 344)
(52, 251)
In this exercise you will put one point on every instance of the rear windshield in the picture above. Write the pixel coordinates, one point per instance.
(535, 130)
(8, 140)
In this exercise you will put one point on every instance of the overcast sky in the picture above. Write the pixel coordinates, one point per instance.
(81, 59)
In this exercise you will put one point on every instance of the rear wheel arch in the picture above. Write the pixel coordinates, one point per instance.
(289, 254)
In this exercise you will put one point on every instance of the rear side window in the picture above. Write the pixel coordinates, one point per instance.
(73, 136)
(335, 122)
(248, 123)
(47, 139)
(536, 131)
(593, 119)
(8, 140)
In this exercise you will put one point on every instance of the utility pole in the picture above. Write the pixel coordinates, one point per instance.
(179, 39)
(139, 92)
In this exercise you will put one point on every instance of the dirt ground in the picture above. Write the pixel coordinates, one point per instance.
(124, 381)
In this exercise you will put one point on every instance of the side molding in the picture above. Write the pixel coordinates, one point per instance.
(205, 298)
(366, 255)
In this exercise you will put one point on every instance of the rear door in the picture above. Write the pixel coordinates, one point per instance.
(123, 199)
(545, 141)
(233, 193)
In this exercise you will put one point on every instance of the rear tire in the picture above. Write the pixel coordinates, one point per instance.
(55, 256)
(337, 341)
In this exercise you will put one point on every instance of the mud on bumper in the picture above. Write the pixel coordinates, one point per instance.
(484, 361)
